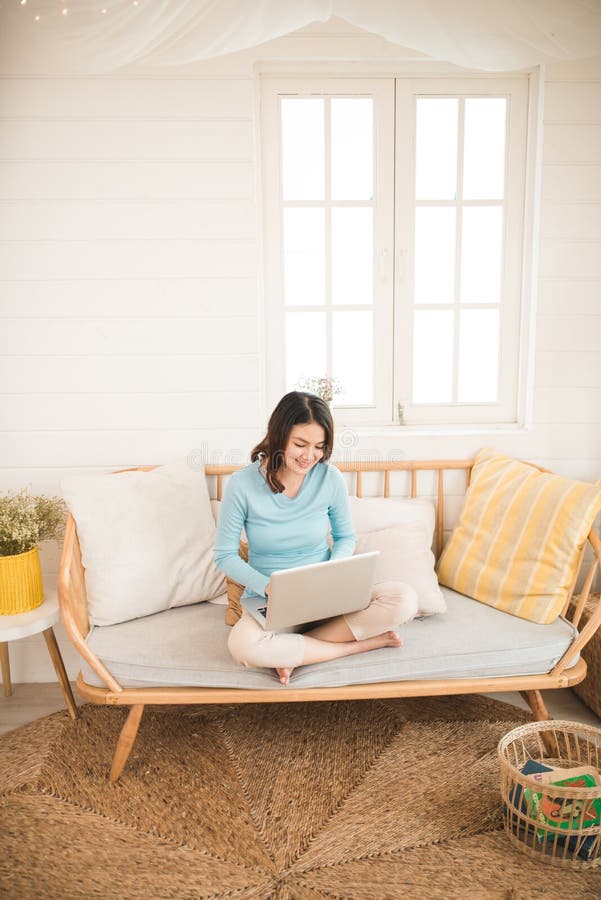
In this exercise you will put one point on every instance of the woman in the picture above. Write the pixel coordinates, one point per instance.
(284, 501)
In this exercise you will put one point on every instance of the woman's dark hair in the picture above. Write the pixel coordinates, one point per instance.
(295, 408)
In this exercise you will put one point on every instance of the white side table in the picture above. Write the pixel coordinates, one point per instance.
(13, 628)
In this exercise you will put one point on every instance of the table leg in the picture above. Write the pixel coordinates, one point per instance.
(57, 660)
(5, 664)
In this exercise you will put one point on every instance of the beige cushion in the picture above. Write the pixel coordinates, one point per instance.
(472, 641)
(146, 541)
(402, 530)
(376, 513)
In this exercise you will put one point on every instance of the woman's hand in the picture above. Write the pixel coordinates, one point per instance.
(267, 589)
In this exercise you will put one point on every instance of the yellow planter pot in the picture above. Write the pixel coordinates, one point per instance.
(21, 587)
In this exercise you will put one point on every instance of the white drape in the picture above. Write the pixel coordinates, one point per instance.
(492, 35)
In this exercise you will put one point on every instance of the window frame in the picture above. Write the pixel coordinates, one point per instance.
(383, 93)
(390, 266)
(505, 409)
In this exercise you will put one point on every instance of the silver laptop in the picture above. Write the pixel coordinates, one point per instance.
(318, 591)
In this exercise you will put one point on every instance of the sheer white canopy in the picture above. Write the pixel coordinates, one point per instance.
(494, 35)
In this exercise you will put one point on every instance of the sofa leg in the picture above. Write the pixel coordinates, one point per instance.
(536, 703)
(59, 666)
(126, 741)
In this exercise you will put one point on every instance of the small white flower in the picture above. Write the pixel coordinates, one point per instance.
(324, 386)
(25, 520)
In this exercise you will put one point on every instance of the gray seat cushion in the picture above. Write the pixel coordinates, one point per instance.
(188, 646)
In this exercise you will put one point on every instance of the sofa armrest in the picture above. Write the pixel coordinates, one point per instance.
(73, 603)
(594, 621)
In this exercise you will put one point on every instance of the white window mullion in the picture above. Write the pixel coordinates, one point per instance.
(272, 234)
(404, 231)
(328, 230)
(458, 240)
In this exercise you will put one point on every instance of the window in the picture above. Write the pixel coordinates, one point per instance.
(394, 241)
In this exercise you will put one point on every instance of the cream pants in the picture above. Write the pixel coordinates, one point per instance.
(392, 604)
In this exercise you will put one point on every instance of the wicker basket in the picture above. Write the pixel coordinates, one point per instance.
(550, 821)
(21, 587)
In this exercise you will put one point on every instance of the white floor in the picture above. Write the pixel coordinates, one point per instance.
(29, 702)
(562, 704)
(32, 701)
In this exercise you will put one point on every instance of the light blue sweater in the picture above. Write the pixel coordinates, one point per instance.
(283, 532)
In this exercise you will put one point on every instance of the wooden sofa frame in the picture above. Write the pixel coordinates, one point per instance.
(73, 605)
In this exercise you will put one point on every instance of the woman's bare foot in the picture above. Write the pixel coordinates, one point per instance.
(387, 639)
(284, 675)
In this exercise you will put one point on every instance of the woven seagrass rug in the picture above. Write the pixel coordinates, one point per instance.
(366, 800)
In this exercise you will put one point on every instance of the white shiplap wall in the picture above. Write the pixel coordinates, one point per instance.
(129, 268)
(130, 288)
(567, 389)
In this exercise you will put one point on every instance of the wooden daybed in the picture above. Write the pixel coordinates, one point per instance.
(73, 604)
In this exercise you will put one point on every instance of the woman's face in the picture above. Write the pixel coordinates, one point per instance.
(305, 448)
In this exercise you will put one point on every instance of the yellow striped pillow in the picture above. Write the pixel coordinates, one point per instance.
(519, 537)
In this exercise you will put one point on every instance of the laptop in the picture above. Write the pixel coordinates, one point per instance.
(317, 591)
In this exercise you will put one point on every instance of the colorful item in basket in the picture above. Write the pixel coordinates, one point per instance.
(582, 846)
(550, 774)
(532, 768)
(563, 814)
(566, 812)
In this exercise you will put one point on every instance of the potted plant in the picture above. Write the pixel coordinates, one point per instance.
(25, 520)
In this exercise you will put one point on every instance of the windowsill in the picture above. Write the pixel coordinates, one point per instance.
(459, 430)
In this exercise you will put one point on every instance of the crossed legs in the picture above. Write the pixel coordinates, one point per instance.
(334, 639)
(392, 604)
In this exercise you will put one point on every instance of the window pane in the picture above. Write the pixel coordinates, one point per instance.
(436, 149)
(304, 256)
(433, 356)
(353, 355)
(303, 166)
(484, 148)
(481, 251)
(478, 355)
(352, 148)
(305, 346)
(434, 254)
(352, 255)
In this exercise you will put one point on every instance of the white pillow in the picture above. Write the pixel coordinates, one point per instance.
(376, 513)
(402, 530)
(146, 541)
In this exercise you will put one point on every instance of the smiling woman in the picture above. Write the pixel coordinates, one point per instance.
(300, 433)
(285, 500)
(304, 449)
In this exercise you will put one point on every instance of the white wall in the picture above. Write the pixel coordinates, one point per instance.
(130, 311)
